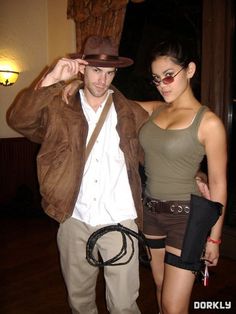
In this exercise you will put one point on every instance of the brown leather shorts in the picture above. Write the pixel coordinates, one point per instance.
(168, 220)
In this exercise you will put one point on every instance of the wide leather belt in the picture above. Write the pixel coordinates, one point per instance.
(161, 206)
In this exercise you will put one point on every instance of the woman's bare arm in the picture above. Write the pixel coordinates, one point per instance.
(213, 136)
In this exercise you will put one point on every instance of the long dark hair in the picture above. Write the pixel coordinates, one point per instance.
(181, 52)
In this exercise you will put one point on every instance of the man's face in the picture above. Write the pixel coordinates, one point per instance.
(97, 80)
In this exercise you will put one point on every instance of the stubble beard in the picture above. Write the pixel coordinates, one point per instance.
(97, 92)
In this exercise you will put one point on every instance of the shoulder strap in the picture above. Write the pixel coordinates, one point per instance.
(98, 127)
(199, 115)
(156, 112)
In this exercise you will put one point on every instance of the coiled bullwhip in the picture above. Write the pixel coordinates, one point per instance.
(125, 233)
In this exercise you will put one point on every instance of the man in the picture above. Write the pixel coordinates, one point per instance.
(84, 196)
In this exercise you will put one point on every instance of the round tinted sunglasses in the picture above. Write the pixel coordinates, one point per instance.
(166, 80)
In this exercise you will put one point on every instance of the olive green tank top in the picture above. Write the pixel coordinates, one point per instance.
(172, 159)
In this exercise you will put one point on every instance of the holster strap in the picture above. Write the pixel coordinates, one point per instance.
(176, 261)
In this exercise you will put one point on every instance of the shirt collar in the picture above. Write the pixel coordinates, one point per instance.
(85, 102)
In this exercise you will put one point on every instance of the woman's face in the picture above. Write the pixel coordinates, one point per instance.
(170, 79)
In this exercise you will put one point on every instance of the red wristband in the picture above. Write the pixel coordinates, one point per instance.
(209, 239)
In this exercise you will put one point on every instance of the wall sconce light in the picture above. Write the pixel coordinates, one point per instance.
(8, 77)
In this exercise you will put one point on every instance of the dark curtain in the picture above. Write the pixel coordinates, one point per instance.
(93, 17)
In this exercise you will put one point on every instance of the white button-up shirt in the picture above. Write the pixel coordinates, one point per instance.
(105, 195)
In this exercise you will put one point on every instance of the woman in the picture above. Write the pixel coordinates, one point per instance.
(175, 139)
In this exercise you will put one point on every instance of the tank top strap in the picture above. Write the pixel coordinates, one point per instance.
(156, 112)
(198, 117)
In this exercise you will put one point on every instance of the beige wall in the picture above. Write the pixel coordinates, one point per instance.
(33, 34)
(61, 31)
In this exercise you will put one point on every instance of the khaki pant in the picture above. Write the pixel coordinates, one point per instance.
(122, 282)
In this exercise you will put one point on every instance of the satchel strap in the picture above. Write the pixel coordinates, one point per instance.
(98, 126)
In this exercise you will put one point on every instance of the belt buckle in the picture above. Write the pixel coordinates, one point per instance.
(151, 204)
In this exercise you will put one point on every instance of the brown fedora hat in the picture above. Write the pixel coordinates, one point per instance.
(102, 52)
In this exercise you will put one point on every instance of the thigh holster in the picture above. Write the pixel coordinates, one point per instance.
(202, 217)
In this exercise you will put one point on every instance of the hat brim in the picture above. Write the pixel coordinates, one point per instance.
(120, 62)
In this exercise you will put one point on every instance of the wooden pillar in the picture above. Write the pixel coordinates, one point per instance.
(217, 39)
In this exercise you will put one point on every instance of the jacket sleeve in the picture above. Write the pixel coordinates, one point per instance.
(29, 112)
(141, 116)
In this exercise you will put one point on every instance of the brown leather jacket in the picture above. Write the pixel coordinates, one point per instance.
(61, 129)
